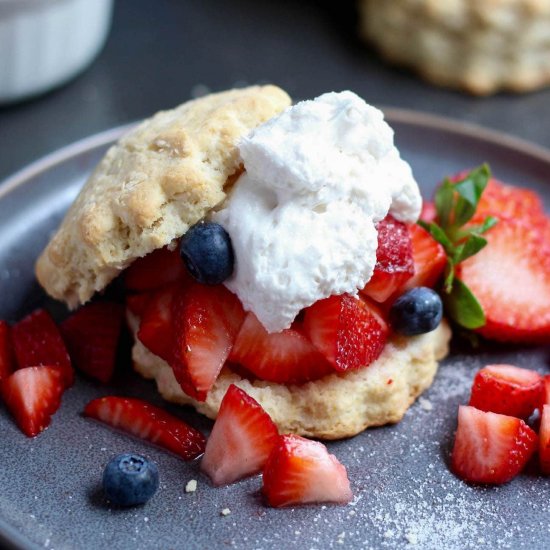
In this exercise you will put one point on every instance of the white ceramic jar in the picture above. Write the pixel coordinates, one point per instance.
(44, 43)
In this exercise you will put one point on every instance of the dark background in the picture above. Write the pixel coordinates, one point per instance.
(162, 52)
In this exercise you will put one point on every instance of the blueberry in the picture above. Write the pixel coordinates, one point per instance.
(130, 479)
(207, 252)
(417, 311)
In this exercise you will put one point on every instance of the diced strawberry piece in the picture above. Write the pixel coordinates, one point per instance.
(544, 440)
(206, 322)
(286, 357)
(429, 259)
(489, 447)
(301, 471)
(37, 341)
(429, 212)
(511, 279)
(505, 389)
(32, 395)
(136, 303)
(160, 267)
(351, 333)
(92, 335)
(546, 390)
(394, 260)
(148, 422)
(242, 438)
(7, 358)
(155, 329)
(507, 201)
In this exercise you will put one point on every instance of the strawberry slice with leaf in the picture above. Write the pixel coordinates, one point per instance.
(33, 395)
(510, 279)
(206, 320)
(92, 335)
(301, 471)
(506, 389)
(394, 260)
(350, 332)
(489, 447)
(286, 357)
(7, 358)
(242, 438)
(37, 341)
(161, 267)
(145, 421)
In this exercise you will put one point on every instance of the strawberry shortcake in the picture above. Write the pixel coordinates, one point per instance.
(269, 246)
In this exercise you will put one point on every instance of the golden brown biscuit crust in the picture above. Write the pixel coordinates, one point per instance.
(158, 180)
(334, 407)
(481, 46)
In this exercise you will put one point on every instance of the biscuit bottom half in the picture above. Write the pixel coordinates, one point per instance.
(333, 407)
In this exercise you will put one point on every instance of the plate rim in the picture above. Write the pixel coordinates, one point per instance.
(10, 537)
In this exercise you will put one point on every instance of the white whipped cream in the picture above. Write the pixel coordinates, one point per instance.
(302, 216)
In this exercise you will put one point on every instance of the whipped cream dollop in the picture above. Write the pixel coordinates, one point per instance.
(302, 216)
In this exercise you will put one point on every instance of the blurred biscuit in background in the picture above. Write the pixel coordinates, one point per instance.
(480, 46)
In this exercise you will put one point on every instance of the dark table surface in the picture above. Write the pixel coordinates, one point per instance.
(164, 52)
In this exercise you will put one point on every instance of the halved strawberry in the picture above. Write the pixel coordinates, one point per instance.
(155, 329)
(287, 357)
(394, 260)
(136, 303)
(351, 333)
(92, 335)
(300, 471)
(160, 267)
(241, 439)
(506, 389)
(510, 278)
(37, 341)
(507, 201)
(546, 390)
(32, 395)
(489, 447)
(428, 256)
(7, 358)
(544, 440)
(148, 422)
(206, 322)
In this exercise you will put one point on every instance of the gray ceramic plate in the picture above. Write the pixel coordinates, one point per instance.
(404, 492)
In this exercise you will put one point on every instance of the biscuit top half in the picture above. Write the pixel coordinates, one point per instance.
(151, 186)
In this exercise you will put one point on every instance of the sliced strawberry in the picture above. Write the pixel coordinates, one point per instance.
(206, 322)
(429, 212)
(148, 422)
(428, 256)
(394, 260)
(505, 389)
(546, 390)
(92, 335)
(489, 447)
(351, 333)
(286, 357)
(37, 341)
(511, 279)
(7, 358)
(160, 267)
(241, 439)
(544, 440)
(32, 395)
(300, 471)
(136, 303)
(155, 329)
(507, 201)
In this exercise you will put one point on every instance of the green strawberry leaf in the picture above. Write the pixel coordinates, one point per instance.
(463, 307)
(444, 201)
(471, 246)
(469, 192)
(439, 235)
